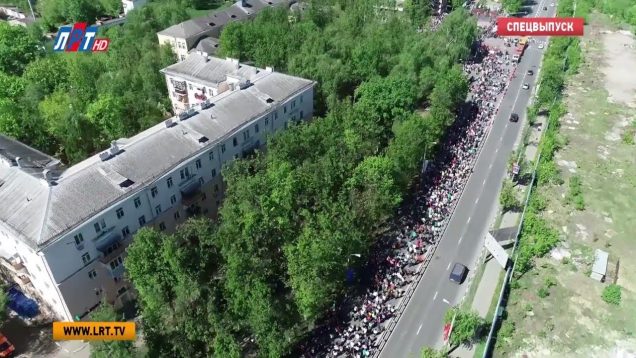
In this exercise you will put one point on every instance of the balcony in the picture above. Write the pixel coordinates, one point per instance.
(14, 265)
(190, 192)
(193, 210)
(110, 253)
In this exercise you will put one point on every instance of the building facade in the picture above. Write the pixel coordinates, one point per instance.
(64, 231)
(129, 5)
(186, 36)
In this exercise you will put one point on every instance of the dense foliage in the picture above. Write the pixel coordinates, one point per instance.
(109, 349)
(612, 294)
(467, 328)
(73, 104)
(294, 217)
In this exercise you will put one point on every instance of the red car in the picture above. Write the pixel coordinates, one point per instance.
(6, 348)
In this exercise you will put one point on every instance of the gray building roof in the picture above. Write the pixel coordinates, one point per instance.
(44, 210)
(219, 18)
(209, 45)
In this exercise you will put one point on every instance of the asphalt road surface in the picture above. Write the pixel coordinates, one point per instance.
(421, 323)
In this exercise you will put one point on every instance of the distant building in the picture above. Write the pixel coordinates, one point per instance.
(132, 4)
(64, 231)
(185, 36)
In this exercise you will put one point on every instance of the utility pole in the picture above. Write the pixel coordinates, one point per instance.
(31, 7)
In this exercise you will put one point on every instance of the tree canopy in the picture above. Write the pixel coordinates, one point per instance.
(294, 217)
(109, 349)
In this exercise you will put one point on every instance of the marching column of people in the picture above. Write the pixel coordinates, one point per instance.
(420, 221)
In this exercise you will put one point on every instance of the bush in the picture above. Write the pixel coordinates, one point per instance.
(575, 193)
(612, 294)
(543, 292)
(549, 282)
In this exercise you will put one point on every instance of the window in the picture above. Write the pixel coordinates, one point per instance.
(266, 121)
(158, 209)
(201, 181)
(79, 239)
(246, 135)
(142, 220)
(121, 291)
(173, 199)
(190, 86)
(169, 182)
(198, 163)
(211, 156)
(154, 191)
(116, 263)
(285, 109)
(223, 148)
(275, 115)
(285, 125)
(234, 141)
(137, 202)
(213, 173)
(86, 258)
(92, 274)
(177, 215)
(125, 231)
(97, 227)
(120, 213)
(293, 104)
(162, 226)
(302, 115)
(256, 128)
(216, 188)
(301, 98)
(182, 57)
(203, 196)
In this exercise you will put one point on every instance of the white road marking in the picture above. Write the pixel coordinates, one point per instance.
(468, 220)
(434, 297)
(418, 330)
(476, 200)
(448, 268)
(446, 301)
(460, 240)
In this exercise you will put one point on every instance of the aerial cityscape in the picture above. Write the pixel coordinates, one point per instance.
(317, 178)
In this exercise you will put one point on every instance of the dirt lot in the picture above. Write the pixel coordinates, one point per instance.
(572, 320)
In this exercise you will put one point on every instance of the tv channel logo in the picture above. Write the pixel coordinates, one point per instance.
(79, 37)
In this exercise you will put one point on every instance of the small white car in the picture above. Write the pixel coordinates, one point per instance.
(525, 86)
(552, 5)
(540, 46)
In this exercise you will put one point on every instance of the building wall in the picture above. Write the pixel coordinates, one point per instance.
(129, 5)
(59, 273)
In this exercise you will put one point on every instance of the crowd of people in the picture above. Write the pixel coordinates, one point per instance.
(420, 221)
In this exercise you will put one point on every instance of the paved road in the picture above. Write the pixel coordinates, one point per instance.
(421, 323)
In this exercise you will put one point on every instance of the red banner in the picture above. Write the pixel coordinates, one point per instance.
(540, 26)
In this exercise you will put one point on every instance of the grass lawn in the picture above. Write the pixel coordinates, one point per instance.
(557, 308)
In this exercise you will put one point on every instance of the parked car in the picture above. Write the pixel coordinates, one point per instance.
(545, 8)
(514, 117)
(458, 274)
(6, 348)
(541, 46)
(526, 86)
(530, 72)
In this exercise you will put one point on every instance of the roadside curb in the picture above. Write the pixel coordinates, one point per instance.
(415, 283)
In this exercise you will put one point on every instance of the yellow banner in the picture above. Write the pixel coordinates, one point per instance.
(94, 331)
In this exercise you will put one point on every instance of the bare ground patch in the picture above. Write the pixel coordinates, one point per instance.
(573, 320)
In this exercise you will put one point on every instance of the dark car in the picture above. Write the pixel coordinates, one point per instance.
(530, 72)
(514, 117)
(458, 274)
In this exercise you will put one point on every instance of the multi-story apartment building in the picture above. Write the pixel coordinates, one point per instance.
(63, 231)
(187, 35)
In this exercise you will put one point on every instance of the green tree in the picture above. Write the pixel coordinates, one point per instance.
(4, 303)
(428, 352)
(612, 294)
(17, 48)
(108, 349)
(467, 326)
(512, 6)
(508, 197)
